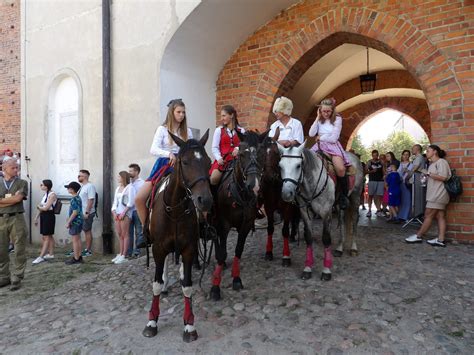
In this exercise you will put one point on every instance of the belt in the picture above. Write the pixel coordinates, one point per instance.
(10, 214)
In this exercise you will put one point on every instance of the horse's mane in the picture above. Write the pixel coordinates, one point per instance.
(312, 163)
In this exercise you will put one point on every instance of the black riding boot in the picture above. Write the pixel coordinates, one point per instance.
(344, 191)
(145, 241)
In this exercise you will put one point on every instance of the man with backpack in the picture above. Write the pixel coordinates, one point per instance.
(88, 195)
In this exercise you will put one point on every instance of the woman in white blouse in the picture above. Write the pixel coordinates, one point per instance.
(327, 129)
(122, 209)
(225, 143)
(165, 150)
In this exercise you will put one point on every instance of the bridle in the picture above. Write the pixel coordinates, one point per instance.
(300, 178)
(239, 191)
(187, 189)
(315, 193)
(274, 171)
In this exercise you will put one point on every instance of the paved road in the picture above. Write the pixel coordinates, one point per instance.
(392, 298)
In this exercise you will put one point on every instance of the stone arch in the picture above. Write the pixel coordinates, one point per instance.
(64, 126)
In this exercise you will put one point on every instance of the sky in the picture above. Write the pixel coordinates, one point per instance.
(381, 125)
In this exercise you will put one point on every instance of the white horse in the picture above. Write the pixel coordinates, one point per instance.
(307, 183)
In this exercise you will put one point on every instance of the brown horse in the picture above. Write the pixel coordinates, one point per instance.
(237, 205)
(271, 198)
(174, 226)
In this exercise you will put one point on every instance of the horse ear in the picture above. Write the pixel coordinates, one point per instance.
(281, 148)
(264, 135)
(301, 147)
(204, 138)
(176, 139)
(240, 135)
(276, 135)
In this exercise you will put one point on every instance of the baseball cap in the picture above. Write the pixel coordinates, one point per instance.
(73, 185)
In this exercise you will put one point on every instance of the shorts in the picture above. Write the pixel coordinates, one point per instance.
(75, 230)
(376, 188)
(87, 224)
(394, 199)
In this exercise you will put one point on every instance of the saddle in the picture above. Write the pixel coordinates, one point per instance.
(350, 170)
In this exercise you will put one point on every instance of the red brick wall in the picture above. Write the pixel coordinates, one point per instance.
(10, 53)
(434, 40)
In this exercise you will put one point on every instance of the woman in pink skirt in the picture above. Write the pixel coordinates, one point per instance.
(327, 129)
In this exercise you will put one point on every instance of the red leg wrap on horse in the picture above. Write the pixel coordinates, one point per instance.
(236, 267)
(216, 276)
(269, 243)
(155, 309)
(309, 257)
(286, 247)
(188, 311)
(327, 258)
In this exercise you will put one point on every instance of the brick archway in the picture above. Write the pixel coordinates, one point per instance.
(359, 114)
(387, 79)
(271, 61)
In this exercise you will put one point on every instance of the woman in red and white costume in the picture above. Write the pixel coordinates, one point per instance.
(225, 143)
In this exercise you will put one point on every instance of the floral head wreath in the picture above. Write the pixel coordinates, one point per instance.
(329, 102)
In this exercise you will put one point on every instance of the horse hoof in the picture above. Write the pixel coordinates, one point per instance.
(337, 253)
(215, 293)
(150, 332)
(190, 336)
(306, 275)
(286, 262)
(269, 256)
(237, 284)
(354, 252)
(325, 277)
(292, 239)
(164, 293)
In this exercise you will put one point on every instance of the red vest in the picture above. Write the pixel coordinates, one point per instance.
(227, 144)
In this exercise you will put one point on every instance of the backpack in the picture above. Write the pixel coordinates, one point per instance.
(57, 207)
(453, 185)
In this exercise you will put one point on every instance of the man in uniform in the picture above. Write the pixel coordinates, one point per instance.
(13, 191)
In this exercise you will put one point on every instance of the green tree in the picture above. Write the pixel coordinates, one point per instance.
(397, 142)
(359, 148)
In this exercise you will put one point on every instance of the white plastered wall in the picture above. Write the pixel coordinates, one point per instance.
(161, 49)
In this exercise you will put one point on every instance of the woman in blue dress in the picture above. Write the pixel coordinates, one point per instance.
(165, 150)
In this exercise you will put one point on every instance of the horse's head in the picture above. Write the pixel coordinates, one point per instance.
(291, 168)
(192, 167)
(271, 169)
(251, 158)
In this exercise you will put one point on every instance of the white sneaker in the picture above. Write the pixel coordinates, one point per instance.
(116, 257)
(436, 242)
(48, 257)
(38, 260)
(413, 239)
(120, 260)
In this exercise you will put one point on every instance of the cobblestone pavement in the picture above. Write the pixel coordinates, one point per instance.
(392, 298)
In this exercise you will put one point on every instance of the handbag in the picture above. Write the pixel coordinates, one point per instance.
(57, 207)
(453, 185)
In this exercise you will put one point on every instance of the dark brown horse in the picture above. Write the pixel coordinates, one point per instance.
(174, 225)
(271, 198)
(236, 205)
